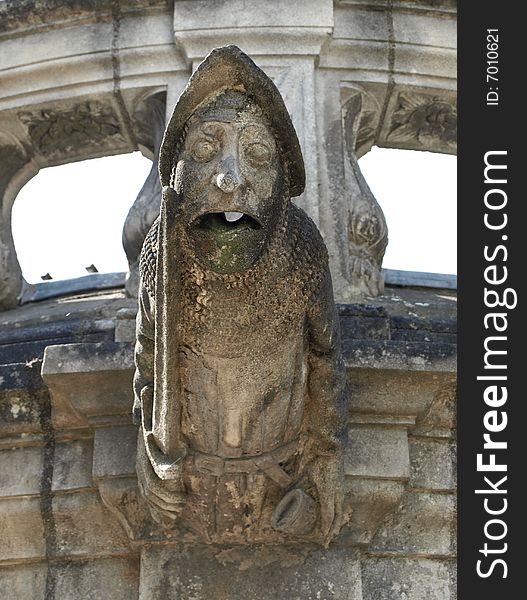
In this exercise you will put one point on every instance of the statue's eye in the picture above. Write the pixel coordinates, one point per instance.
(258, 154)
(203, 150)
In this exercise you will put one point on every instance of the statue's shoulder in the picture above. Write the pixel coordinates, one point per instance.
(308, 246)
(148, 259)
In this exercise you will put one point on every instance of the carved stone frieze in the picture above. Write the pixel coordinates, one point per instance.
(366, 131)
(424, 120)
(55, 131)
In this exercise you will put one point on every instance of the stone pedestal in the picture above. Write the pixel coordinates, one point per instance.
(202, 573)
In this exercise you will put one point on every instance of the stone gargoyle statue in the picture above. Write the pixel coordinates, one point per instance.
(239, 382)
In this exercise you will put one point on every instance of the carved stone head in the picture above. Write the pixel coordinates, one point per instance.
(232, 183)
(232, 156)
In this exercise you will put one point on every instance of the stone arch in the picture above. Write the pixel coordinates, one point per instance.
(59, 133)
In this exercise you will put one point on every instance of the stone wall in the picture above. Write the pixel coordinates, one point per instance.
(68, 463)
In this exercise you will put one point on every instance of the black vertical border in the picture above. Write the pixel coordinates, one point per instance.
(485, 128)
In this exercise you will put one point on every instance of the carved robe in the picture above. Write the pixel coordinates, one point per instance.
(240, 383)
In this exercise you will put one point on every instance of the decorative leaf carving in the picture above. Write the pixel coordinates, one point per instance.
(431, 121)
(84, 125)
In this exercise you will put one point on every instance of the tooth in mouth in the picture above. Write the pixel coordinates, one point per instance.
(228, 221)
(233, 216)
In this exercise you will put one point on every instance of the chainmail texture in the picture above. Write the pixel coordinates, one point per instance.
(232, 314)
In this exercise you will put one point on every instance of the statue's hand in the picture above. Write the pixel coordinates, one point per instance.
(166, 498)
(327, 476)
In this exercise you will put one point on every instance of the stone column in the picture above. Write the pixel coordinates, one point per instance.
(366, 226)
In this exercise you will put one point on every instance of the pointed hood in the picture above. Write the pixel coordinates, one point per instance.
(228, 68)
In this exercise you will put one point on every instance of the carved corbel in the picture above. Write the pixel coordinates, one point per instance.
(367, 230)
(145, 209)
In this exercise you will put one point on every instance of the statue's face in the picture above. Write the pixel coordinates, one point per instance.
(229, 176)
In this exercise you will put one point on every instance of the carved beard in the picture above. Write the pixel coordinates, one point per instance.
(182, 287)
(235, 242)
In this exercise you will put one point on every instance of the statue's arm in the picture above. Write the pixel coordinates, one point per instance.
(165, 498)
(325, 420)
(144, 358)
(326, 379)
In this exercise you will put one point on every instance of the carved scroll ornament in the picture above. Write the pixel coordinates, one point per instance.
(367, 230)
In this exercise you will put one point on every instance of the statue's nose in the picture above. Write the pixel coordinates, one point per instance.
(229, 178)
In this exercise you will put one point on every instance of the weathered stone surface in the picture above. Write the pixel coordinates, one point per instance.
(32, 13)
(20, 377)
(439, 419)
(114, 451)
(87, 380)
(239, 382)
(12, 158)
(85, 358)
(23, 581)
(112, 578)
(425, 120)
(22, 467)
(402, 578)
(21, 529)
(76, 524)
(125, 324)
(367, 232)
(21, 409)
(371, 500)
(400, 56)
(424, 523)
(82, 125)
(145, 208)
(433, 464)
(377, 452)
(420, 356)
(72, 465)
(85, 527)
(394, 391)
(115, 54)
(195, 573)
(28, 330)
(364, 327)
(300, 27)
(122, 498)
(21, 471)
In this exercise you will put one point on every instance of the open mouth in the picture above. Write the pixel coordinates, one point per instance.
(227, 242)
(226, 222)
